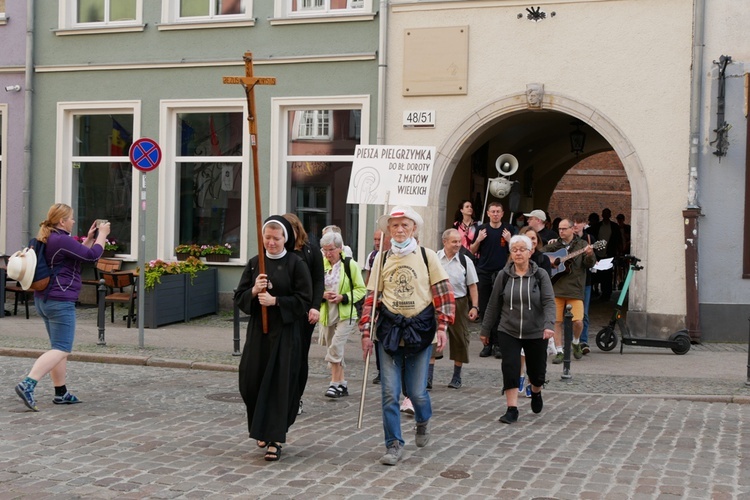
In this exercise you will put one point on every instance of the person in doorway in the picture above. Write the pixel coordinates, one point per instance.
(57, 303)
(269, 367)
(491, 243)
(569, 286)
(537, 220)
(415, 307)
(465, 224)
(608, 231)
(311, 256)
(338, 316)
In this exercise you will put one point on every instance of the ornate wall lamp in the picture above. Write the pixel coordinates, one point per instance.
(577, 138)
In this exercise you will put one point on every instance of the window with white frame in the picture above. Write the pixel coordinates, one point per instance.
(176, 11)
(206, 176)
(95, 176)
(317, 144)
(325, 7)
(100, 13)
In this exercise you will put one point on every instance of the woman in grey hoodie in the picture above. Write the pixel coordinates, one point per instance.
(522, 305)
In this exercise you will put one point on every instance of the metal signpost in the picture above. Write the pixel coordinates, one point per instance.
(145, 155)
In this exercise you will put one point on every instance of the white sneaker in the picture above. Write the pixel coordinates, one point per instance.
(407, 407)
(551, 349)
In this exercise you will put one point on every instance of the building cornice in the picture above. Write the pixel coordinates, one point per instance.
(324, 58)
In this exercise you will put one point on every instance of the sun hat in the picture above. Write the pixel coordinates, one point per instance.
(400, 211)
(21, 267)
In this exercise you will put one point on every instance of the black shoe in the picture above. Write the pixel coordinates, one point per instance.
(536, 402)
(585, 348)
(429, 383)
(510, 416)
(376, 380)
(486, 351)
(496, 352)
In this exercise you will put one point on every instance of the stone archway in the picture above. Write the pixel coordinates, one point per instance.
(457, 144)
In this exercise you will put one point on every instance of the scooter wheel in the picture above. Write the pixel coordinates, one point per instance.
(681, 344)
(606, 340)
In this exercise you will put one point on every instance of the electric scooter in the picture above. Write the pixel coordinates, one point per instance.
(606, 339)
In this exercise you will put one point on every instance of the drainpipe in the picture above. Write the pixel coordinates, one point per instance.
(693, 210)
(382, 69)
(27, 121)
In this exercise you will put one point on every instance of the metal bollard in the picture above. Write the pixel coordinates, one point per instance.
(236, 335)
(567, 341)
(101, 291)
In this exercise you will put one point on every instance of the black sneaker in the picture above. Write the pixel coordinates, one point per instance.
(486, 351)
(300, 411)
(332, 392)
(536, 402)
(429, 383)
(455, 383)
(496, 352)
(511, 415)
(376, 380)
(585, 348)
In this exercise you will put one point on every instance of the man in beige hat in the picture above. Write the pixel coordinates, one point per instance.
(416, 305)
(536, 220)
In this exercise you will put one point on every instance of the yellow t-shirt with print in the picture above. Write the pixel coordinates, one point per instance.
(405, 284)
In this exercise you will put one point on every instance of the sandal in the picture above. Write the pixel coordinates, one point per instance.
(273, 455)
(261, 444)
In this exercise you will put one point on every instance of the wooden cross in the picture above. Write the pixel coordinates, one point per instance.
(249, 82)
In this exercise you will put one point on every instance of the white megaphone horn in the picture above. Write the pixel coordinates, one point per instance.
(506, 165)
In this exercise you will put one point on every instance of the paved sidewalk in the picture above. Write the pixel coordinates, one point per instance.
(645, 424)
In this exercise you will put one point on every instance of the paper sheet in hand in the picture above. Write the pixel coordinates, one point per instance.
(603, 265)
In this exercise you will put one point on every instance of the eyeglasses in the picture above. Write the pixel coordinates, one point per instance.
(560, 228)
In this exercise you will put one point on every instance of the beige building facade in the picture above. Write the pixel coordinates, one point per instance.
(509, 77)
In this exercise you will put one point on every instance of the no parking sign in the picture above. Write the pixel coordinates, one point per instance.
(145, 154)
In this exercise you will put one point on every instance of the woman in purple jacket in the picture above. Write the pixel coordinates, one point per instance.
(56, 304)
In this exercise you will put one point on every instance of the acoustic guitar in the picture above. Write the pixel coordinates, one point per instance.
(557, 259)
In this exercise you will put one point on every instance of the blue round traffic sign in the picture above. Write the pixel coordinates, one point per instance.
(145, 154)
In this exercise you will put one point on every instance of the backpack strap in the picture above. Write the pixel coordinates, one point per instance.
(348, 272)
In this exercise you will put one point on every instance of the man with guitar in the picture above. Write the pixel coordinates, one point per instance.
(569, 283)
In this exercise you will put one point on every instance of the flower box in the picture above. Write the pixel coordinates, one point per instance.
(216, 257)
(177, 298)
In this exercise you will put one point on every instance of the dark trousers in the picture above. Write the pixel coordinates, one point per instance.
(536, 360)
(306, 338)
(484, 287)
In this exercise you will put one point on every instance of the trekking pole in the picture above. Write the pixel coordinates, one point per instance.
(101, 291)
(568, 338)
(372, 316)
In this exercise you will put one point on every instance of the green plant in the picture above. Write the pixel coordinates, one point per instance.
(225, 249)
(111, 245)
(188, 248)
(155, 269)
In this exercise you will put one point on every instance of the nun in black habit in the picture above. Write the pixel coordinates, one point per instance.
(269, 368)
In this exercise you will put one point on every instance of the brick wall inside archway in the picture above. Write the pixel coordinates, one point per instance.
(595, 183)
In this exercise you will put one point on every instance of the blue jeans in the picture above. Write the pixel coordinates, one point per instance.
(586, 301)
(414, 368)
(60, 320)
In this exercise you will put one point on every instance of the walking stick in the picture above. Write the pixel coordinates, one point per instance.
(372, 324)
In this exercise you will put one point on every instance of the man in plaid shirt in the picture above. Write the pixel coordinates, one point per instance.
(415, 306)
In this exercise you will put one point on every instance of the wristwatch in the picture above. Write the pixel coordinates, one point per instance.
(474, 307)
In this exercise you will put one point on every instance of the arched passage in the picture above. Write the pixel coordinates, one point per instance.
(505, 117)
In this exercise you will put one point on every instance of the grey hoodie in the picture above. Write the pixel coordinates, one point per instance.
(526, 306)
